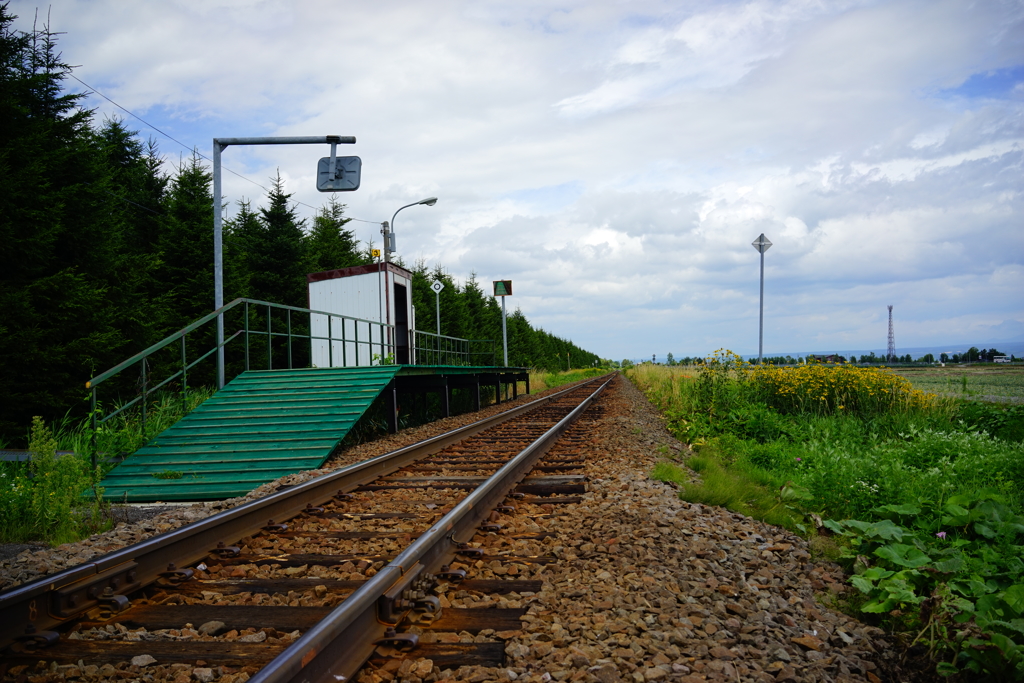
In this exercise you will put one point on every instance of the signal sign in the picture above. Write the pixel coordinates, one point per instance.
(375, 253)
(437, 286)
(502, 287)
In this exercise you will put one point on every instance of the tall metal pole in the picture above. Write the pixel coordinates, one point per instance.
(761, 244)
(219, 145)
(504, 334)
(218, 260)
(760, 317)
(437, 295)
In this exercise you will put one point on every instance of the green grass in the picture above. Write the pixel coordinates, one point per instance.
(747, 492)
(541, 381)
(990, 382)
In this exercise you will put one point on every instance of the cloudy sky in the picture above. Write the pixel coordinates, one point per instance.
(616, 159)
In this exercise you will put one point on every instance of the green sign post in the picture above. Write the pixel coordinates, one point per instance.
(503, 288)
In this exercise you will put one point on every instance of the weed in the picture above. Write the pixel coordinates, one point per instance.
(42, 499)
(168, 474)
(58, 499)
(949, 571)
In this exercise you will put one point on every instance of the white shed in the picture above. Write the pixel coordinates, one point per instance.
(371, 316)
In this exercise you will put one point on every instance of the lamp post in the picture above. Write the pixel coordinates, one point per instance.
(389, 231)
(761, 244)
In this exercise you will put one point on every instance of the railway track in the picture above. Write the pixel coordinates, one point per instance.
(369, 563)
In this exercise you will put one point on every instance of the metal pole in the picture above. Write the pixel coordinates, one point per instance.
(760, 318)
(438, 295)
(219, 144)
(504, 333)
(218, 261)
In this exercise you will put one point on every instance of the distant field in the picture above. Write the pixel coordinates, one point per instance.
(987, 383)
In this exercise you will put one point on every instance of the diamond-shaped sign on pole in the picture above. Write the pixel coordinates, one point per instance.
(761, 243)
(437, 286)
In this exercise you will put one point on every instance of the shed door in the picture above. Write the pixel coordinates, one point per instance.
(401, 325)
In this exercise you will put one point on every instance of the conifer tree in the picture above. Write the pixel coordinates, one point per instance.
(329, 245)
(240, 232)
(276, 254)
(135, 187)
(55, 329)
(186, 244)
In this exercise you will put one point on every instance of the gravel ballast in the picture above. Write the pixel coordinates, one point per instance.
(648, 587)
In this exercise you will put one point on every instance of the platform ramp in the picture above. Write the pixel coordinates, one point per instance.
(262, 425)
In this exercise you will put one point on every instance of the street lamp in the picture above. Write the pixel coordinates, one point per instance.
(761, 244)
(389, 231)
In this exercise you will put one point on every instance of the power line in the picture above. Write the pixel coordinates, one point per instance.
(195, 150)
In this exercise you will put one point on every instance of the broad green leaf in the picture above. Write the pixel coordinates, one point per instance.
(904, 595)
(984, 530)
(886, 529)
(834, 526)
(991, 511)
(903, 555)
(901, 509)
(862, 584)
(879, 607)
(857, 524)
(1014, 597)
(875, 573)
(950, 566)
(991, 606)
(955, 515)
(946, 669)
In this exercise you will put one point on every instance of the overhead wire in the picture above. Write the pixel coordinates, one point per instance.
(195, 150)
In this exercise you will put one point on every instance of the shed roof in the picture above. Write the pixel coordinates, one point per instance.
(358, 270)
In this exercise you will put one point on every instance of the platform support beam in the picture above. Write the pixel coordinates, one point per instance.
(391, 406)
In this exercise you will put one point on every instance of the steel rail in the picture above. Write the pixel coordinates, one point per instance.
(334, 650)
(45, 602)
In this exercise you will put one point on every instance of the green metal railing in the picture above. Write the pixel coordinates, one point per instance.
(338, 339)
(437, 349)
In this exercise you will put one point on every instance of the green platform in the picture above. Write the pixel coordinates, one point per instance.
(262, 425)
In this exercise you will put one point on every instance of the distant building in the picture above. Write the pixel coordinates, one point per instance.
(1000, 359)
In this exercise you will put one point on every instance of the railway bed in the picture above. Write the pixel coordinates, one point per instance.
(621, 581)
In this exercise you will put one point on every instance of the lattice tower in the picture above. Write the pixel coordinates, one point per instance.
(890, 356)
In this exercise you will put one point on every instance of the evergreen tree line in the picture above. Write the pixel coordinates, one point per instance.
(107, 247)
(468, 312)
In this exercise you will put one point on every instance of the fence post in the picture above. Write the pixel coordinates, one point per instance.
(184, 376)
(270, 339)
(95, 427)
(145, 396)
(289, 317)
(246, 336)
(330, 343)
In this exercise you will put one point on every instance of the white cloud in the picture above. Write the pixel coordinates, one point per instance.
(617, 159)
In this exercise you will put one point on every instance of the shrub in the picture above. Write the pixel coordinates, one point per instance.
(817, 389)
(43, 499)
